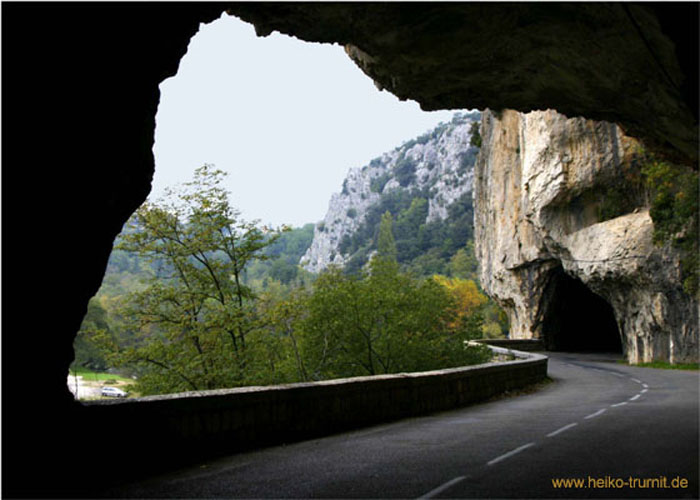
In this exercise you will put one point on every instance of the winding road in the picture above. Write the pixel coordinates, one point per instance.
(621, 431)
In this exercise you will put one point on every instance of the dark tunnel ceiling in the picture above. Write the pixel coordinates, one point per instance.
(632, 64)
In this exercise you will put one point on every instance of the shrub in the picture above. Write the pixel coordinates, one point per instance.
(377, 184)
(405, 171)
(476, 136)
(345, 244)
(674, 211)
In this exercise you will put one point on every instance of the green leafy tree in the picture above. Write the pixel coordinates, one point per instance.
(463, 263)
(496, 324)
(87, 352)
(195, 320)
(282, 259)
(386, 245)
(284, 310)
(382, 322)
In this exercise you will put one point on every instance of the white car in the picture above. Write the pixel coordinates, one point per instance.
(113, 392)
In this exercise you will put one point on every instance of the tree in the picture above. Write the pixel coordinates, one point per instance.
(467, 303)
(386, 246)
(284, 310)
(87, 352)
(463, 263)
(384, 321)
(194, 319)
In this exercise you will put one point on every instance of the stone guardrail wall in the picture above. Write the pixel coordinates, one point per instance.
(528, 345)
(177, 428)
(250, 416)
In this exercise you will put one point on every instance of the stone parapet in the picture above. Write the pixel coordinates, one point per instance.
(185, 427)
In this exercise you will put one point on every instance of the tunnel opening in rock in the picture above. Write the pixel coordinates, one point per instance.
(576, 318)
(225, 108)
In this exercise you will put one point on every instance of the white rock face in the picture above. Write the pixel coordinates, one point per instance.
(540, 186)
(441, 161)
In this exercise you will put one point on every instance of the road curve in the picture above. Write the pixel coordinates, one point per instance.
(599, 422)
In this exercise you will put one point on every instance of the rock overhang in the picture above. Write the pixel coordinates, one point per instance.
(630, 64)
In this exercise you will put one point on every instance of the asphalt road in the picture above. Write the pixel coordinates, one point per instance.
(598, 421)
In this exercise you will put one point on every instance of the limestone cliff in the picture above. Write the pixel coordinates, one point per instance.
(439, 164)
(560, 211)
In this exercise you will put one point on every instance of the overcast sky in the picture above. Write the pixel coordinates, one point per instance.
(285, 118)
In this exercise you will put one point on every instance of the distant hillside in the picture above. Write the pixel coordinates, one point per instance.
(426, 184)
(283, 256)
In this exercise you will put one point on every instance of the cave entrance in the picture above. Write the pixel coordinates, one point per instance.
(576, 319)
(286, 118)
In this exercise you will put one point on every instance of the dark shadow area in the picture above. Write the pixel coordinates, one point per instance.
(576, 319)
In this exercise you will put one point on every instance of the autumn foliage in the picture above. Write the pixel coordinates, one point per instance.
(467, 300)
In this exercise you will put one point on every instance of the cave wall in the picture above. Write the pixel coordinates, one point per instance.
(80, 92)
(541, 181)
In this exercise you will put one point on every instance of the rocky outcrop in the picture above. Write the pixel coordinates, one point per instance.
(560, 206)
(438, 164)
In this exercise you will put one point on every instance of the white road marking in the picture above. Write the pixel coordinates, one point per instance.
(510, 453)
(206, 471)
(599, 412)
(443, 487)
(559, 431)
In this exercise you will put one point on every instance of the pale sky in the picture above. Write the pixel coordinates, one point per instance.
(285, 118)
